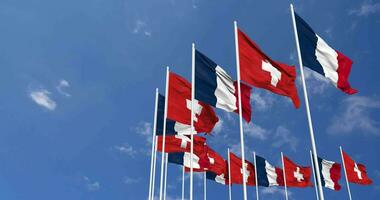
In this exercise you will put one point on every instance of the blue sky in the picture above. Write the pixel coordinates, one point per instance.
(77, 88)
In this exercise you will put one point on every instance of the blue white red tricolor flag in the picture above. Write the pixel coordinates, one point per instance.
(320, 57)
(267, 174)
(216, 88)
(200, 160)
(330, 173)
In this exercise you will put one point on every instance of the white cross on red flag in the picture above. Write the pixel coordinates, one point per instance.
(296, 175)
(356, 172)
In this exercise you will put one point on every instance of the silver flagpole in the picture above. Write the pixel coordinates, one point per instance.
(154, 167)
(283, 173)
(313, 145)
(166, 174)
(192, 117)
(229, 175)
(204, 186)
(153, 144)
(256, 180)
(164, 132)
(240, 110)
(345, 173)
(183, 182)
(315, 181)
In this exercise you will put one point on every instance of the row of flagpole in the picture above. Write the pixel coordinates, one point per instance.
(313, 152)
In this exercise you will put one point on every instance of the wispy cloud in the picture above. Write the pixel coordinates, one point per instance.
(126, 149)
(316, 83)
(274, 190)
(140, 27)
(61, 86)
(255, 131)
(145, 129)
(218, 127)
(365, 9)
(130, 180)
(283, 137)
(41, 97)
(91, 185)
(262, 100)
(356, 115)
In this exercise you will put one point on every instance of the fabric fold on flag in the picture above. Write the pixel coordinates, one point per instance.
(199, 161)
(267, 174)
(179, 106)
(330, 172)
(259, 70)
(180, 143)
(216, 88)
(321, 58)
(356, 172)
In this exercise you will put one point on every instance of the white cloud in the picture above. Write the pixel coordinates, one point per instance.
(41, 97)
(274, 190)
(255, 131)
(315, 82)
(91, 185)
(145, 129)
(283, 137)
(262, 100)
(365, 9)
(356, 115)
(126, 149)
(60, 87)
(129, 180)
(218, 127)
(141, 27)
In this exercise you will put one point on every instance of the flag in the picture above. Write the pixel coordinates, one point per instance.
(221, 178)
(237, 171)
(172, 127)
(216, 162)
(296, 175)
(321, 58)
(179, 106)
(180, 143)
(216, 88)
(257, 69)
(200, 159)
(330, 173)
(267, 175)
(356, 172)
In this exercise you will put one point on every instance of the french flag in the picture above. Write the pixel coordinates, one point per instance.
(267, 175)
(215, 87)
(221, 178)
(320, 57)
(183, 158)
(172, 127)
(330, 172)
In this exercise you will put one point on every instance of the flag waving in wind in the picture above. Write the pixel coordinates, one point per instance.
(320, 57)
(356, 172)
(179, 106)
(237, 171)
(215, 87)
(330, 173)
(296, 176)
(257, 69)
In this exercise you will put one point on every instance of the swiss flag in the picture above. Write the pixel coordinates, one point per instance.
(179, 106)
(259, 70)
(356, 172)
(216, 162)
(180, 143)
(296, 176)
(237, 171)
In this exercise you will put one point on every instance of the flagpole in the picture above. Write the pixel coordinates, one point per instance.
(345, 173)
(313, 145)
(315, 181)
(183, 182)
(166, 174)
(229, 175)
(164, 132)
(192, 118)
(283, 173)
(240, 110)
(153, 144)
(256, 180)
(204, 186)
(154, 166)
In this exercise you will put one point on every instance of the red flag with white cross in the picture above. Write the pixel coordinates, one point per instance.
(356, 172)
(296, 175)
